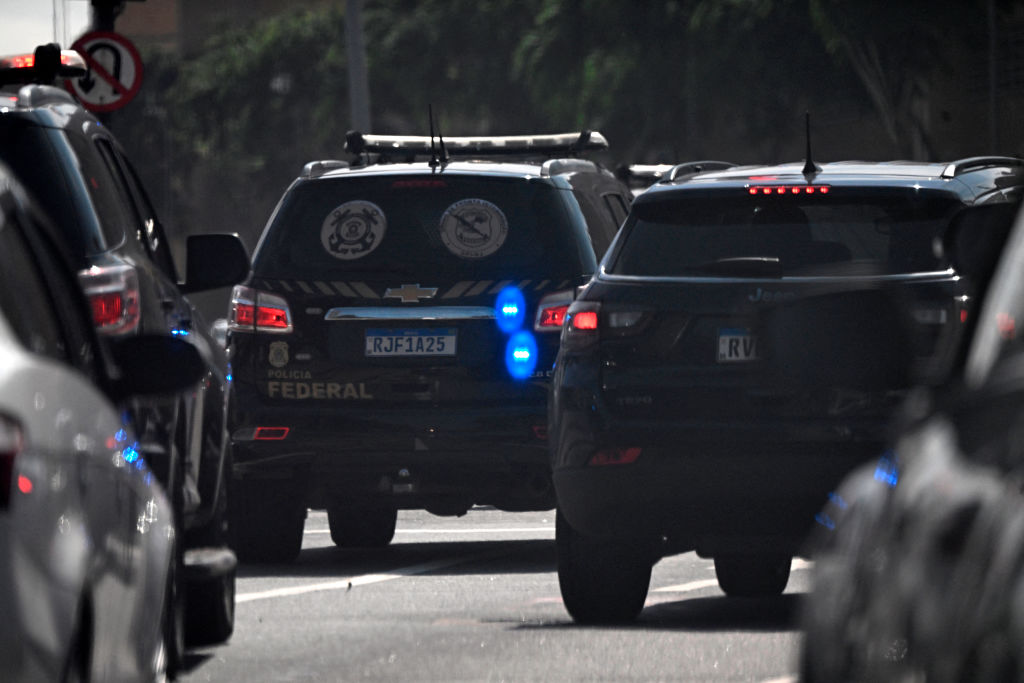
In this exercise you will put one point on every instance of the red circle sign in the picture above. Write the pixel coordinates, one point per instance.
(115, 71)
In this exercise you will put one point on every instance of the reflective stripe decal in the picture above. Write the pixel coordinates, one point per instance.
(479, 288)
(364, 290)
(344, 289)
(458, 289)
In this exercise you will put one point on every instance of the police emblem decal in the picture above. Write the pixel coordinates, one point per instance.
(473, 228)
(278, 354)
(353, 230)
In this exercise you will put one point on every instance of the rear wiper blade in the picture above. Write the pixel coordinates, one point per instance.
(749, 266)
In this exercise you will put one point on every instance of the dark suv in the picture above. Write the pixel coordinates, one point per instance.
(673, 425)
(73, 164)
(392, 346)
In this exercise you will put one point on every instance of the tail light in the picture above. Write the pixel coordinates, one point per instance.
(11, 443)
(255, 311)
(581, 325)
(615, 456)
(551, 312)
(113, 293)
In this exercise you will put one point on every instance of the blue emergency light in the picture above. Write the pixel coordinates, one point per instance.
(521, 354)
(510, 310)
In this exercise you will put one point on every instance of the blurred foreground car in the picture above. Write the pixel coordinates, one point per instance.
(66, 157)
(392, 347)
(670, 432)
(87, 538)
(919, 558)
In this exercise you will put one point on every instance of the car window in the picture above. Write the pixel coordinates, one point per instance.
(105, 188)
(454, 227)
(26, 299)
(150, 233)
(842, 233)
(52, 173)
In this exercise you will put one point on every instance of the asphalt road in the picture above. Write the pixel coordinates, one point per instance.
(476, 599)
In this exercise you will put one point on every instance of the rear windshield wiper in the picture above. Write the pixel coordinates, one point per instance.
(743, 266)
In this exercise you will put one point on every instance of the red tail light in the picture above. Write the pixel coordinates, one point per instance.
(788, 189)
(585, 320)
(615, 456)
(271, 433)
(113, 293)
(551, 312)
(11, 443)
(255, 311)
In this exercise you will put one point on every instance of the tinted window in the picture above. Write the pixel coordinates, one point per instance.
(105, 189)
(453, 227)
(24, 296)
(49, 169)
(845, 232)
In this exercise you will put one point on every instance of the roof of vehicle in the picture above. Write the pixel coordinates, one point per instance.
(517, 168)
(879, 173)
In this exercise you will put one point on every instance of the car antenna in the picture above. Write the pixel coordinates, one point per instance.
(435, 160)
(810, 168)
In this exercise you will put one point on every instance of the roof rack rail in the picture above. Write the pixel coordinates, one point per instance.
(558, 143)
(692, 167)
(315, 169)
(957, 167)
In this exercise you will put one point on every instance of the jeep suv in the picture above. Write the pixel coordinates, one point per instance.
(674, 424)
(75, 166)
(392, 347)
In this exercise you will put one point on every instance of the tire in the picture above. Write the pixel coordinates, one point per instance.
(355, 527)
(751, 576)
(602, 582)
(267, 520)
(210, 604)
(173, 619)
(210, 616)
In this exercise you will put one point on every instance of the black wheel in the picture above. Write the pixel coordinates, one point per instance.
(602, 581)
(751, 576)
(173, 620)
(267, 520)
(210, 604)
(362, 527)
(211, 610)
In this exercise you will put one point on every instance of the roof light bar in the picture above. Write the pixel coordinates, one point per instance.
(788, 189)
(557, 143)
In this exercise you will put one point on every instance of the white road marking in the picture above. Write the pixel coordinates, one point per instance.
(367, 579)
(524, 530)
(688, 587)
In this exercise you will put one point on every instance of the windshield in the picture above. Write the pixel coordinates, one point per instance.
(428, 227)
(842, 233)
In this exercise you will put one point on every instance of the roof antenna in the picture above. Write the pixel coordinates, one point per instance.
(434, 163)
(436, 160)
(810, 168)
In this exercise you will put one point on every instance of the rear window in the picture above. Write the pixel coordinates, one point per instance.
(43, 161)
(427, 227)
(845, 232)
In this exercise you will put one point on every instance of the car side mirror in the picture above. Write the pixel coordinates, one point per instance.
(860, 339)
(213, 261)
(151, 364)
(974, 239)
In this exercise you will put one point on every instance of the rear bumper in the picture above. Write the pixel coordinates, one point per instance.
(410, 457)
(707, 486)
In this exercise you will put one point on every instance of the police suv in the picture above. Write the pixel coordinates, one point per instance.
(393, 344)
(701, 400)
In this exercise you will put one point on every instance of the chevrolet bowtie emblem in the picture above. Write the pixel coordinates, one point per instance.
(410, 294)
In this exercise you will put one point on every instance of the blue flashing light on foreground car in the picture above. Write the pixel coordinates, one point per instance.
(521, 354)
(887, 471)
(510, 310)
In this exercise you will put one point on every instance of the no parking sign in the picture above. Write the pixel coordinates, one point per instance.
(115, 71)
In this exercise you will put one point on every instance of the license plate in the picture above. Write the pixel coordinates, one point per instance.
(432, 342)
(736, 345)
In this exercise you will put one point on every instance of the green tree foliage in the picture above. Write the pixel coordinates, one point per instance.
(221, 133)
